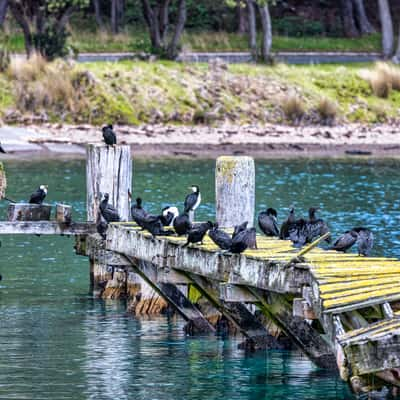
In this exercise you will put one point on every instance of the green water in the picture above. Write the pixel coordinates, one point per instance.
(56, 342)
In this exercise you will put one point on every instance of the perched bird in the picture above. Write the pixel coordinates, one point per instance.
(239, 228)
(365, 241)
(1, 149)
(285, 227)
(267, 221)
(197, 233)
(220, 237)
(109, 135)
(137, 211)
(108, 212)
(153, 224)
(243, 240)
(193, 199)
(316, 227)
(38, 196)
(168, 215)
(346, 241)
(101, 226)
(182, 224)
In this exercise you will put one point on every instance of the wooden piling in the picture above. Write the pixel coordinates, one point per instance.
(108, 170)
(234, 190)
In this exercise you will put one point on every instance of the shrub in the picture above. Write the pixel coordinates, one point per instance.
(293, 107)
(327, 109)
(380, 85)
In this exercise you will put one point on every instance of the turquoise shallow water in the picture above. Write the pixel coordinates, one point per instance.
(58, 343)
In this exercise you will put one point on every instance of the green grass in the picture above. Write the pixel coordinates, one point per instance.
(138, 40)
(167, 92)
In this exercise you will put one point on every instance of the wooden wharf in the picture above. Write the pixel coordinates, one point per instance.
(341, 310)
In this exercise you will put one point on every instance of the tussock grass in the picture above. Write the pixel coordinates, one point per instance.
(327, 110)
(293, 107)
(383, 78)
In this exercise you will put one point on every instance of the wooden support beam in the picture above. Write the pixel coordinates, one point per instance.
(172, 295)
(235, 294)
(298, 330)
(234, 190)
(172, 276)
(46, 228)
(108, 170)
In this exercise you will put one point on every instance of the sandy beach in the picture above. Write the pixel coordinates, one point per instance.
(267, 141)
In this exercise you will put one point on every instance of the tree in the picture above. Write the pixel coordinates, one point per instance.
(3, 11)
(387, 28)
(43, 23)
(363, 23)
(117, 15)
(157, 16)
(97, 13)
(348, 21)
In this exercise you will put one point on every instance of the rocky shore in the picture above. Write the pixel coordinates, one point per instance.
(266, 141)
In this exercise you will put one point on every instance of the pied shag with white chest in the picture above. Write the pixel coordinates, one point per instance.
(109, 135)
(38, 196)
(193, 199)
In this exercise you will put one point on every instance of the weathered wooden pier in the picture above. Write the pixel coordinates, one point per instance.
(340, 310)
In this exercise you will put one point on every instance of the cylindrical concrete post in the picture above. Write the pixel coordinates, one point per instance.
(108, 170)
(235, 190)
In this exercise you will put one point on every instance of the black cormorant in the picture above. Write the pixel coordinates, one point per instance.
(193, 199)
(267, 221)
(38, 196)
(197, 233)
(101, 226)
(243, 240)
(345, 242)
(220, 237)
(316, 227)
(182, 224)
(291, 219)
(137, 211)
(239, 228)
(109, 135)
(365, 241)
(109, 213)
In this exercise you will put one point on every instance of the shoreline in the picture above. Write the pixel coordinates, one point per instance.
(165, 141)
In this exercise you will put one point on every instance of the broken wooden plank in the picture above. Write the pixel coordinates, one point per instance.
(46, 228)
(28, 212)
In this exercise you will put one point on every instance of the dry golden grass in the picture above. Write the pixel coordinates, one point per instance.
(293, 107)
(40, 85)
(327, 109)
(384, 78)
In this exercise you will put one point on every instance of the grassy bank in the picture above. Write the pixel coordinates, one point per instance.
(138, 40)
(166, 92)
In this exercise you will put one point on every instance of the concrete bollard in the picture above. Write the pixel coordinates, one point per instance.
(108, 170)
(234, 190)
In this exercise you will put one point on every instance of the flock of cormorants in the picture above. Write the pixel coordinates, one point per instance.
(300, 231)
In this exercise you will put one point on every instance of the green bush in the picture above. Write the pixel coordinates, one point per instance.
(52, 43)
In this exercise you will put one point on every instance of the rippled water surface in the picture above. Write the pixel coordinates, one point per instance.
(56, 342)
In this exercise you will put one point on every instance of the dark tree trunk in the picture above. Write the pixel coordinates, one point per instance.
(266, 43)
(97, 13)
(349, 25)
(3, 11)
(252, 28)
(114, 17)
(22, 21)
(242, 18)
(180, 26)
(396, 57)
(387, 28)
(363, 23)
(151, 17)
(164, 19)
